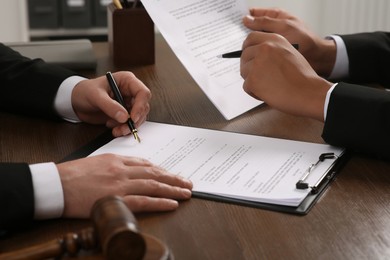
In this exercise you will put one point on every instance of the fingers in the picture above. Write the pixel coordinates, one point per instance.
(135, 161)
(256, 46)
(160, 175)
(146, 174)
(145, 186)
(112, 108)
(135, 94)
(146, 179)
(120, 130)
(272, 20)
(140, 107)
(105, 108)
(139, 168)
(149, 204)
(251, 48)
(123, 129)
(93, 101)
(270, 12)
(255, 38)
(152, 188)
(262, 39)
(246, 60)
(268, 20)
(263, 23)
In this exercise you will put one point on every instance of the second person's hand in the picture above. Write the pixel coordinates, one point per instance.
(318, 51)
(275, 72)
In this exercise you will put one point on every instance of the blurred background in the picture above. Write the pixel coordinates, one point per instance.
(26, 20)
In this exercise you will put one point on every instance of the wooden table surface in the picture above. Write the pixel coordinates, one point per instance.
(350, 221)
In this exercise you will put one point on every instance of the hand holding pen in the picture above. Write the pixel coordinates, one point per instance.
(119, 98)
(92, 102)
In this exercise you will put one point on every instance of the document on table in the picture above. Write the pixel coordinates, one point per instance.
(200, 30)
(232, 165)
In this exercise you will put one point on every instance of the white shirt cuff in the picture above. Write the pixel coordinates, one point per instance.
(48, 193)
(63, 99)
(327, 100)
(341, 67)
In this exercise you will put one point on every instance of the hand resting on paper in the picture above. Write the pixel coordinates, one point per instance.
(142, 185)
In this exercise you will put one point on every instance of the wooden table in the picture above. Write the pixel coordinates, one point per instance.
(350, 221)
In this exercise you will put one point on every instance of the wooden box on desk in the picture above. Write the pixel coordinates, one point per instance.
(130, 36)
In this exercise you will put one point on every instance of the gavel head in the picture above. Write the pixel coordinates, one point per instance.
(117, 230)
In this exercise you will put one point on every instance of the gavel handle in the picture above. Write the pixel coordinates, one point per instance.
(71, 243)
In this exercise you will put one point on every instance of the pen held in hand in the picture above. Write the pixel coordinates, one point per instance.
(237, 54)
(119, 98)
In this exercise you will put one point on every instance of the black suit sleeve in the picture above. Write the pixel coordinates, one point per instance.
(28, 86)
(16, 196)
(358, 118)
(369, 57)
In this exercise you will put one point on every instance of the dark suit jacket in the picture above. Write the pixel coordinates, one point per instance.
(27, 87)
(358, 117)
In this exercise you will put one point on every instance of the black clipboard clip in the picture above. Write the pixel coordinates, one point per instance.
(302, 185)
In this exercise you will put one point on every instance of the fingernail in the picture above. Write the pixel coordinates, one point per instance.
(136, 118)
(125, 130)
(174, 204)
(187, 193)
(187, 182)
(121, 117)
(250, 18)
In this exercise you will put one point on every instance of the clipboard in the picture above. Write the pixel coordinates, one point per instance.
(306, 205)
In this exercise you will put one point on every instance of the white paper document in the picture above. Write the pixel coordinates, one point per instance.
(240, 166)
(200, 30)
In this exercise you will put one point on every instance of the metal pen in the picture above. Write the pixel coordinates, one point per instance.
(119, 98)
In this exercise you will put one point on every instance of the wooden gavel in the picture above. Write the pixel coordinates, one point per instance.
(115, 231)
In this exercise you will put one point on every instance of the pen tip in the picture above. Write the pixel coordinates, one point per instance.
(137, 137)
(219, 56)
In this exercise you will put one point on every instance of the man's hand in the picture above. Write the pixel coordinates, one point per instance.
(94, 103)
(319, 52)
(275, 72)
(142, 185)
